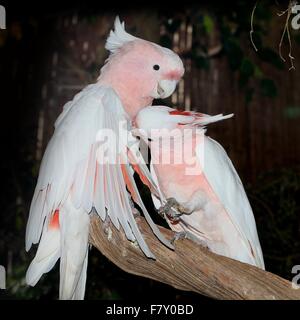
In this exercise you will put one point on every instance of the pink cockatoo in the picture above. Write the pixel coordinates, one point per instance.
(196, 178)
(73, 182)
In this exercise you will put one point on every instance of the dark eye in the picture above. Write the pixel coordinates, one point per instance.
(156, 67)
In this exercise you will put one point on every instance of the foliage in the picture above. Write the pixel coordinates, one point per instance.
(232, 25)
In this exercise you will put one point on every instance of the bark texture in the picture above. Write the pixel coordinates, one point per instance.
(189, 267)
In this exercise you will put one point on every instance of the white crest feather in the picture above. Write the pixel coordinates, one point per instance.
(118, 37)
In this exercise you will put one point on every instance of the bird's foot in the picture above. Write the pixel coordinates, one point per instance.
(169, 210)
(190, 236)
(178, 236)
(177, 206)
(173, 210)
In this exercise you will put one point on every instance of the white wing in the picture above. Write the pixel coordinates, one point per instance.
(158, 201)
(227, 185)
(69, 166)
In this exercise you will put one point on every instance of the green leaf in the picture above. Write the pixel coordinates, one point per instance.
(268, 88)
(258, 72)
(292, 112)
(208, 23)
(234, 53)
(263, 13)
(92, 19)
(19, 223)
(247, 67)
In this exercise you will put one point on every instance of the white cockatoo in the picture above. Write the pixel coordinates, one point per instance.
(195, 177)
(72, 180)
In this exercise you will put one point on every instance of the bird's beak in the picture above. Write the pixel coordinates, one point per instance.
(165, 88)
(141, 134)
(136, 132)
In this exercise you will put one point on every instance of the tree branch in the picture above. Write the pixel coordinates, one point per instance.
(190, 267)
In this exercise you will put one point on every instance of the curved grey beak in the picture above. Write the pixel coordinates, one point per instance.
(165, 88)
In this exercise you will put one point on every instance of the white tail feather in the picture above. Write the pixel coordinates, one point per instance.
(80, 288)
(74, 252)
(206, 119)
(47, 254)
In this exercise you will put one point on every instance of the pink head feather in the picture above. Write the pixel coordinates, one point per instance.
(132, 69)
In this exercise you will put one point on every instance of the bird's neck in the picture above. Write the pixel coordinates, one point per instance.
(133, 103)
(131, 99)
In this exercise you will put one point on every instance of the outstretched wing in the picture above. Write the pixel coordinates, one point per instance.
(72, 166)
(228, 187)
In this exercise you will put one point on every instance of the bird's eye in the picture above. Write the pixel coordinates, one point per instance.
(156, 67)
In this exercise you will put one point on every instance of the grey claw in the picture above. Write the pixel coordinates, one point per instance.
(178, 236)
(173, 210)
(169, 209)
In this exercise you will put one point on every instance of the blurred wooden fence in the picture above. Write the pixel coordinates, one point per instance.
(262, 136)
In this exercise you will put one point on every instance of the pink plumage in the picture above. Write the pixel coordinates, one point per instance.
(73, 181)
(201, 178)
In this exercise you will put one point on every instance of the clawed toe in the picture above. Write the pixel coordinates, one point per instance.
(173, 210)
(178, 236)
(169, 209)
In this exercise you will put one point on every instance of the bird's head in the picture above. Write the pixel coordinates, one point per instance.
(158, 122)
(139, 70)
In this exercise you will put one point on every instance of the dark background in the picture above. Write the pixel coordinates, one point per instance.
(50, 51)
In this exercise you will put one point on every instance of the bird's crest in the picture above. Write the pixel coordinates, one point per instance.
(118, 37)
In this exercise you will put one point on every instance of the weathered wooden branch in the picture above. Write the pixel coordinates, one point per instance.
(190, 267)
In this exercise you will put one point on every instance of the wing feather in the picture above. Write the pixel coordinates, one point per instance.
(111, 197)
(227, 185)
(99, 201)
(136, 196)
(70, 167)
